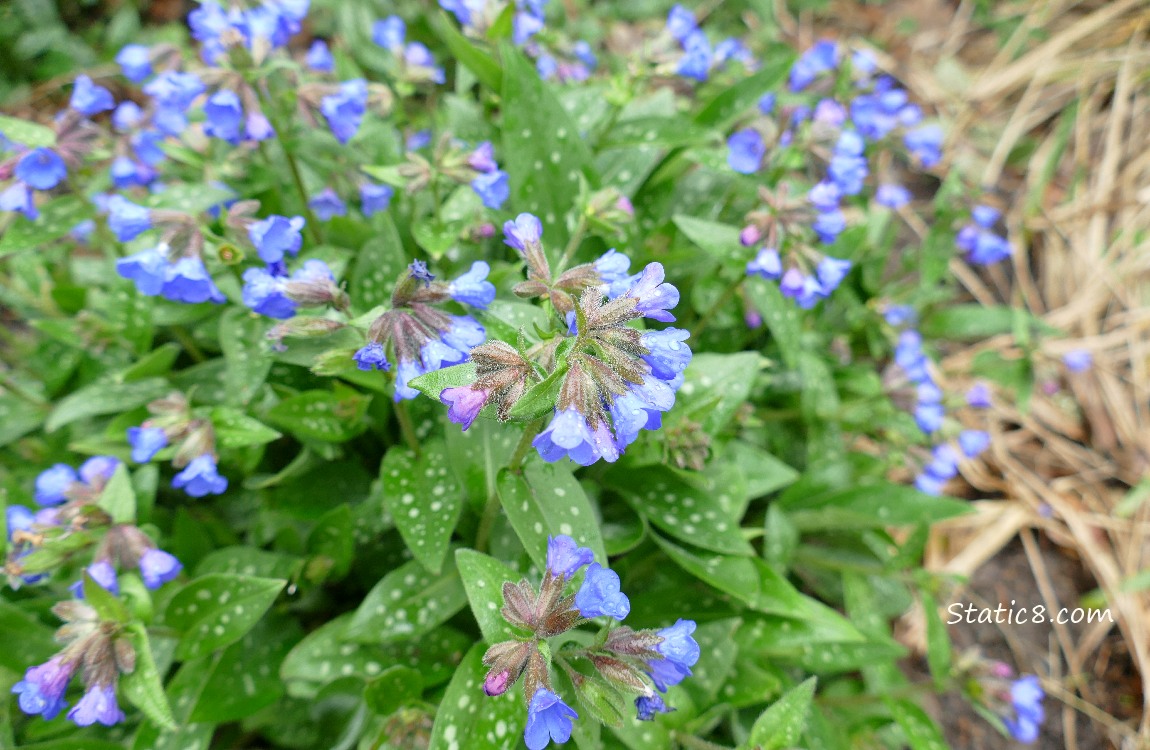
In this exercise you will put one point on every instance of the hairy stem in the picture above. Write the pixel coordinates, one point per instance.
(406, 427)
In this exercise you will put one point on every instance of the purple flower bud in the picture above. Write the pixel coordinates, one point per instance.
(53, 484)
(97, 705)
(831, 272)
(1078, 360)
(275, 236)
(829, 112)
(473, 288)
(42, 689)
(200, 478)
(548, 718)
(792, 283)
(257, 127)
(319, 57)
(90, 99)
(371, 357)
(465, 403)
(654, 297)
(978, 396)
(525, 230)
(158, 567)
(146, 442)
(829, 225)
(496, 684)
(600, 595)
(565, 557)
(985, 216)
(374, 198)
(134, 61)
(41, 168)
(745, 150)
(766, 264)
(492, 188)
(646, 706)
(749, 235)
(825, 196)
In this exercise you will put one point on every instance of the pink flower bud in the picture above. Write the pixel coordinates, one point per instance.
(497, 683)
(750, 235)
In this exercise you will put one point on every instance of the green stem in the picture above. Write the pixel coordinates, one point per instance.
(723, 299)
(572, 244)
(693, 742)
(189, 344)
(19, 391)
(524, 446)
(406, 427)
(271, 112)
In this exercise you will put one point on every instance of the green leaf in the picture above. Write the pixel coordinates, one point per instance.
(920, 730)
(695, 517)
(720, 241)
(324, 655)
(874, 505)
(31, 134)
(107, 605)
(18, 417)
(483, 578)
(190, 198)
(243, 339)
(157, 363)
(539, 400)
(217, 610)
(544, 152)
(424, 499)
(119, 497)
(782, 724)
(974, 322)
(731, 103)
(234, 429)
(664, 132)
(248, 561)
(436, 237)
(938, 652)
(333, 417)
(485, 68)
(105, 397)
(407, 603)
(431, 384)
(723, 381)
(332, 542)
(377, 265)
(547, 500)
(398, 686)
(143, 686)
(466, 714)
(781, 316)
(36, 639)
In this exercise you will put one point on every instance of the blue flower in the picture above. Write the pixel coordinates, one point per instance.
(548, 718)
(327, 204)
(681, 22)
(371, 356)
(103, 574)
(745, 151)
(825, 196)
(668, 355)
(41, 168)
(224, 116)
(980, 244)
(978, 396)
(435, 354)
(696, 60)
(187, 280)
(582, 51)
(97, 470)
(374, 198)
(18, 518)
(973, 442)
(985, 216)
(465, 333)
(565, 557)
(680, 652)
(831, 272)
(653, 296)
(525, 230)
(464, 404)
(173, 90)
(344, 110)
(200, 477)
(146, 442)
(767, 103)
(53, 484)
(925, 142)
(97, 705)
(42, 689)
(524, 26)
(90, 99)
(892, 195)
(570, 435)
(547, 67)
(408, 370)
(418, 271)
(1078, 360)
(257, 127)
(158, 567)
(732, 49)
(417, 140)
(482, 159)
(146, 145)
(134, 61)
(766, 263)
(929, 415)
(646, 706)
(823, 56)
(319, 57)
(600, 595)
(275, 236)
(264, 294)
(492, 188)
(1026, 696)
(473, 288)
(613, 268)
(389, 33)
(127, 173)
(641, 408)
(461, 9)
(18, 197)
(147, 268)
(126, 219)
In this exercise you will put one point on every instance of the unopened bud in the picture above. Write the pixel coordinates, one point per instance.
(497, 684)
(125, 655)
(750, 235)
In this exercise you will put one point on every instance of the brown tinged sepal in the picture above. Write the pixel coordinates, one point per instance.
(519, 605)
(621, 675)
(560, 620)
(125, 655)
(627, 642)
(506, 662)
(535, 676)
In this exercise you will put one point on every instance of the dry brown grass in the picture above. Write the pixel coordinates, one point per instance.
(1069, 87)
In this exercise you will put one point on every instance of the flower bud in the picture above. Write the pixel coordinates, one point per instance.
(506, 660)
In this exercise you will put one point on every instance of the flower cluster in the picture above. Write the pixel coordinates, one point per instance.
(451, 160)
(613, 380)
(979, 241)
(698, 58)
(638, 663)
(423, 338)
(415, 61)
(172, 422)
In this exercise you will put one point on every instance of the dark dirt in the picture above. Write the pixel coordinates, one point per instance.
(1111, 682)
